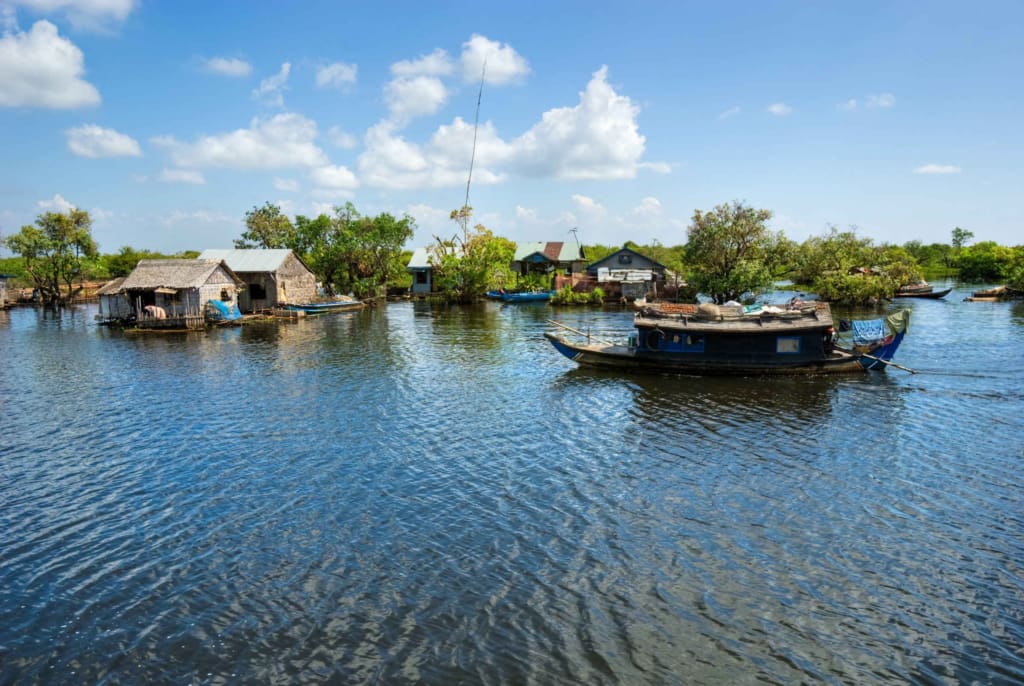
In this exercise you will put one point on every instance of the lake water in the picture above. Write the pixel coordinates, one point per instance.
(419, 494)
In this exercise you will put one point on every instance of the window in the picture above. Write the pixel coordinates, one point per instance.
(257, 291)
(421, 277)
(625, 258)
(224, 295)
(787, 345)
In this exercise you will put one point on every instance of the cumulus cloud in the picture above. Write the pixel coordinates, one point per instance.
(589, 207)
(937, 169)
(881, 100)
(334, 178)
(597, 139)
(38, 68)
(780, 109)
(648, 207)
(94, 141)
(286, 140)
(182, 176)
(341, 139)
(409, 97)
(57, 203)
(83, 14)
(337, 75)
(271, 89)
(504, 64)
(437, 63)
(227, 66)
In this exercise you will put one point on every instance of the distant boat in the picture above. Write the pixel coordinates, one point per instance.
(714, 339)
(327, 307)
(921, 290)
(526, 296)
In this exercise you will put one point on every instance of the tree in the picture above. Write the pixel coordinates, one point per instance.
(53, 252)
(730, 251)
(465, 267)
(960, 238)
(266, 227)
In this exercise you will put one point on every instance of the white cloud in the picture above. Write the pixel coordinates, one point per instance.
(57, 202)
(182, 176)
(527, 214)
(437, 63)
(588, 206)
(286, 140)
(731, 112)
(848, 106)
(648, 207)
(656, 167)
(415, 96)
(881, 100)
(337, 75)
(83, 14)
(334, 178)
(227, 66)
(94, 141)
(597, 139)
(341, 139)
(271, 88)
(504, 64)
(937, 169)
(41, 69)
(286, 185)
(780, 109)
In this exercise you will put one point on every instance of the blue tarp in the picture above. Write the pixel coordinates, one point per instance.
(868, 331)
(222, 311)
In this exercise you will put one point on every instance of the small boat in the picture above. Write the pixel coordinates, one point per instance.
(737, 340)
(921, 292)
(527, 296)
(343, 305)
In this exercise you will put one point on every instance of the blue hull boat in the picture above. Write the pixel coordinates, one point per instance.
(328, 307)
(527, 297)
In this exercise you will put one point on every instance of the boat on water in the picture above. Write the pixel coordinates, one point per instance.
(526, 296)
(343, 305)
(921, 290)
(737, 340)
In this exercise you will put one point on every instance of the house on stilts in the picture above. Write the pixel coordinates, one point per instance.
(273, 277)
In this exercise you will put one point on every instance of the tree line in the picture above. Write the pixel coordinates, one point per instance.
(729, 254)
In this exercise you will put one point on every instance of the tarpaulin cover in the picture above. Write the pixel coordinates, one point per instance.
(868, 331)
(224, 311)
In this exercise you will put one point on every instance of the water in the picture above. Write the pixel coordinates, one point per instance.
(434, 495)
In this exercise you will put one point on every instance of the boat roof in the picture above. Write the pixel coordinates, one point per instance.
(736, 318)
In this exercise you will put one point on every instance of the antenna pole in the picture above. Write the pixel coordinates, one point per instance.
(472, 157)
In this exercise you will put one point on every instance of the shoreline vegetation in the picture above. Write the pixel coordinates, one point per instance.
(729, 255)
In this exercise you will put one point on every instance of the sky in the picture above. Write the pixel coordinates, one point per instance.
(168, 121)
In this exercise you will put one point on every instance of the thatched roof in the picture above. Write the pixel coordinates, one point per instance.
(177, 274)
(111, 287)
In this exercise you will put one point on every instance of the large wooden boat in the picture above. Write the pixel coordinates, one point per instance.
(737, 340)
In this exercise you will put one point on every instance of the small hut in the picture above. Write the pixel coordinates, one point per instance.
(3, 290)
(173, 294)
(548, 257)
(273, 278)
(422, 272)
(114, 305)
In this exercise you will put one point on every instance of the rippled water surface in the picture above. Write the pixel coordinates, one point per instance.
(419, 494)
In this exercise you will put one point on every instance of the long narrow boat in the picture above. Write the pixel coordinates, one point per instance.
(922, 293)
(527, 296)
(327, 307)
(741, 341)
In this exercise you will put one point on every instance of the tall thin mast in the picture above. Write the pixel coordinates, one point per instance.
(472, 157)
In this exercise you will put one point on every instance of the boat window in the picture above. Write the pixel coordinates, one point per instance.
(787, 345)
(693, 344)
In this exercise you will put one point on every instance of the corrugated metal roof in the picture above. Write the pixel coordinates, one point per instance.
(420, 259)
(177, 273)
(556, 251)
(250, 260)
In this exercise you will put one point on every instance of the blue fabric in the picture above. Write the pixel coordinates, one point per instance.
(868, 331)
(228, 311)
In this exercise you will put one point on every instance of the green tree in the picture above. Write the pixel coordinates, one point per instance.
(466, 266)
(986, 261)
(54, 250)
(266, 227)
(731, 251)
(960, 238)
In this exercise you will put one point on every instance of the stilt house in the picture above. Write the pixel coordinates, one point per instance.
(273, 278)
(170, 294)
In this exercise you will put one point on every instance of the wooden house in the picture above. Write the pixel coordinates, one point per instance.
(273, 278)
(629, 273)
(114, 305)
(3, 290)
(422, 272)
(548, 257)
(172, 294)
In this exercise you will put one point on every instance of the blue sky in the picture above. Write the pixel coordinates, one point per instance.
(167, 121)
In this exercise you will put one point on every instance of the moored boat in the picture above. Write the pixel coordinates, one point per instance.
(342, 305)
(921, 291)
(713, 339)
(526, 296)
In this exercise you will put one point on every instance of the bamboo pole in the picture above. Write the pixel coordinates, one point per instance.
(878, 359)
